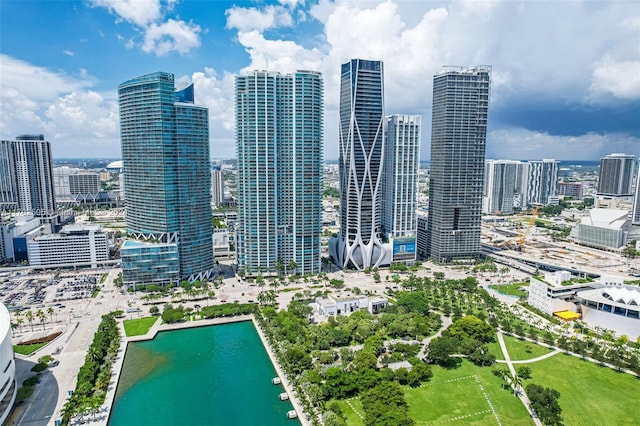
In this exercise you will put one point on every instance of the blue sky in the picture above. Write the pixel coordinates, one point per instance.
(565, 81)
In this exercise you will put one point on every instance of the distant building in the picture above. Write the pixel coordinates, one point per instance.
(499, 186)
(400, 174)
(542, 181)
(217, 188)
(73, 245)
(72, 185)
(165, 154)
(604, 228)
(26, 177)
(9, 386)
(279, 133)
(458, 142)
(571, 189)
(616, 175)
(422, 247)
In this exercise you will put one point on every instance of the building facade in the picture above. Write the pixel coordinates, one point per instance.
(543, 181)
(571, 189)
(279, 131)
(360, 242)
(217, 188)
(400, 174)
(74, 186)
(165, 153)
(8, 384)
(458, 141)
(636, 200)
(74, 245)
(615, 177)
(499, 186)
(27, 177)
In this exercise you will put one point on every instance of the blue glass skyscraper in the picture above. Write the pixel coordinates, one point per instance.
(279, 145)
(165, 153)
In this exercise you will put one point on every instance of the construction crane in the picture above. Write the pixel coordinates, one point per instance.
(523, 235)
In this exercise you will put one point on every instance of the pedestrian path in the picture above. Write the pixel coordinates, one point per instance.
(536, 359)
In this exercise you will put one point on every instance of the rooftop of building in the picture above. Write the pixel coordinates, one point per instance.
(627, 296)
(606, 218)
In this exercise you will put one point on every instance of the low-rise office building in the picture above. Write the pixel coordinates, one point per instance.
(604, 228)
(74, 245)
(555, 292)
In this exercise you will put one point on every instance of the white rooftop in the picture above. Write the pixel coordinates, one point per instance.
(606, 218)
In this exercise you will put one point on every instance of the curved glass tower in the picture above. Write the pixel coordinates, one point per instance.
(165, 154)
(361, 134)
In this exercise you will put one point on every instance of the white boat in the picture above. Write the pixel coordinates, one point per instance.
(284, 396)
(292, 414)
(275, 380)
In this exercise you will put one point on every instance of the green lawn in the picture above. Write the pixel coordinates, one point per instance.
(138, 327)
(27, 349)
(518, 349)
(589, 394)
(511, 289)
(457, 396)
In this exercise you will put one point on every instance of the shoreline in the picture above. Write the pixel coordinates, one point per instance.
(102, 418)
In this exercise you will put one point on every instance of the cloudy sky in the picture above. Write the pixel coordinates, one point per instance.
(565, 80)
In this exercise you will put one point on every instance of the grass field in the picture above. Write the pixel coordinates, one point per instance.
(518, 349)
(27, 349)
(457, 396)
(511, 289)
(138, 327)
(589, 394)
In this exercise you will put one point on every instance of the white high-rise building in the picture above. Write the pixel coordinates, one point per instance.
(499, 186)
(26, 166)
(636, 203)
(361, 138)
(217, 188)
(543, 181)
(400, 173)
(279, 132)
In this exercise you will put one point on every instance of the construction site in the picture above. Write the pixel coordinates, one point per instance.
(518, 239)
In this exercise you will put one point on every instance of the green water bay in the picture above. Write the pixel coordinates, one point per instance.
(214, 375)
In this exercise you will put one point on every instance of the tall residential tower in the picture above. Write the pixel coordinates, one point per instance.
(361, 137)
(616, 175)
(458, 140)
(400, 175)
(26, 177)
(165, 153)
(279, 130)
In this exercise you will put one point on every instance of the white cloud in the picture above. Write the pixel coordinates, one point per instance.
(291, 3)
(139, 12)
(62, 107)
(68, 53)
(249, 19)
(559, 52)
(620, 79)
(216, 93)
(160, 36)
(519, 143)
(178, 36)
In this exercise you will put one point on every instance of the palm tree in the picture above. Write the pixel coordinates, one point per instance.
(30, 318)
(50, 312)
(20, 321)
(41, 316)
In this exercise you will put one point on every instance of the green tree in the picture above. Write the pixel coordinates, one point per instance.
(544, 401)
(524, 372)
(384, 405)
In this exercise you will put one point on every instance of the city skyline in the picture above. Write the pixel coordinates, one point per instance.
(565, 83)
